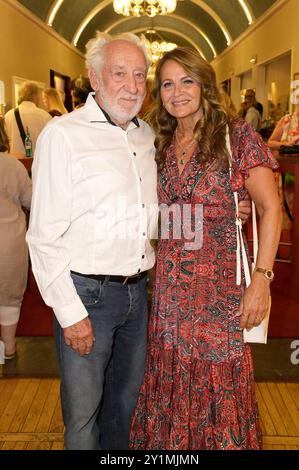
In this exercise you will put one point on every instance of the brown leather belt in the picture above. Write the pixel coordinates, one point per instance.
(121, 279)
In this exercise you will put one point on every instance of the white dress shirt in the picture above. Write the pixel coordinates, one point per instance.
(32, 117)
(94, 207)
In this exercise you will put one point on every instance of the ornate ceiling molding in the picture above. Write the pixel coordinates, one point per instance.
(211, 28)
(53, 11)
(200, 3)
(247, 11)
(180, 19)
(97, 9)
(216, 18)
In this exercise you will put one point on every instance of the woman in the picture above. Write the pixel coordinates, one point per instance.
(286, 132)
(15, 192)
(198, 391)
(53, 102)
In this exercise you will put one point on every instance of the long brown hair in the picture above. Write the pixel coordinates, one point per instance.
(210, 130)
(4, 142)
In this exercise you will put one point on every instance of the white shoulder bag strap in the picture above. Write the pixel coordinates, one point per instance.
(257, 334)
(240, 250)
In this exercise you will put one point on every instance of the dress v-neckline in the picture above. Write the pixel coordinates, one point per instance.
(181, 173)
(182, 184)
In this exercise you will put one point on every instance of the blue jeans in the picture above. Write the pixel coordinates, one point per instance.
(99, 390)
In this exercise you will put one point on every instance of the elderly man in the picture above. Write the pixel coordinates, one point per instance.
(93, 215)
(94, 180)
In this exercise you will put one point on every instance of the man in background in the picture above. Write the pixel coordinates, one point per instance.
(250, 93)
(32, 118)
(252, 115)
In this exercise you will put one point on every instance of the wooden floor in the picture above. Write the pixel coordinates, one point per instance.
(30, 415)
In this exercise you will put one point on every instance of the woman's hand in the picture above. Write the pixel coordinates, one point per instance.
(292, 140)
(244, 209)
(254, 304)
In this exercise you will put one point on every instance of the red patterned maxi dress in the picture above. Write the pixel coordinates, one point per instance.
(198, 391)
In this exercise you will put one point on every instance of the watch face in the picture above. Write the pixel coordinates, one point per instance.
(269, 274)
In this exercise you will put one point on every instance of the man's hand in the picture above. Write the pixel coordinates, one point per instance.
(80, 336)
(244, 210)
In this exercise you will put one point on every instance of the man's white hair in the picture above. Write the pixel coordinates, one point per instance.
(94, 48)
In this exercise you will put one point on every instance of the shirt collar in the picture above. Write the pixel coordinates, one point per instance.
(98, 114)
(28, 103)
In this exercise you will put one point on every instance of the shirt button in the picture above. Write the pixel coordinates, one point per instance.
(142, 257)
(144, 234)
(138, 271)
(143, 205)
(140, 179)
(134, 153)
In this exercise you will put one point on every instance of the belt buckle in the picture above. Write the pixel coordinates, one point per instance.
(134, 276)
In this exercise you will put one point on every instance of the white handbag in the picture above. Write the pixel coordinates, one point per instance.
(257, 334)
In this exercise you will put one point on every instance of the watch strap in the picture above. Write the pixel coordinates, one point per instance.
(268, 273)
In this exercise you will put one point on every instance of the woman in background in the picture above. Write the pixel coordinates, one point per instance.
(15, 192)
(53, 102)
(286, 131)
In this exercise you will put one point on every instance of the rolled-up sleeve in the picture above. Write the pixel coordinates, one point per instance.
(50, 220)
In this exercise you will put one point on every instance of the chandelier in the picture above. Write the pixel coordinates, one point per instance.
(144, 7)
(157, 49)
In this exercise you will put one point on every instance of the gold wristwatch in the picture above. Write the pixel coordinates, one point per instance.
(268, 273)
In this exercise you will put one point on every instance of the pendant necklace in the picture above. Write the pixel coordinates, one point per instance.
(185, 150)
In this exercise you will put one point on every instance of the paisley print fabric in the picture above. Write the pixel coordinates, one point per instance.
(198, 391)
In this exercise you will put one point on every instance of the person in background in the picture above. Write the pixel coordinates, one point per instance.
(80, 89)
(15, 193)
(228, 105)
(198, 392)
(252, 115)
(286, 131)
(32, 117)
(53, 103)
(250, 93)
(61, 94)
